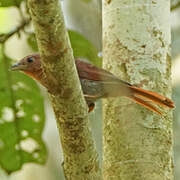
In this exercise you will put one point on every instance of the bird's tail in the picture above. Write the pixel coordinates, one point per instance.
(148, 98)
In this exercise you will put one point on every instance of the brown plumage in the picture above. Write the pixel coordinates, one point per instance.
(98, 83)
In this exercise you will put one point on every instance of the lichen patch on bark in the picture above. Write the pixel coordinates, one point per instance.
(136, 38)
(61, 80)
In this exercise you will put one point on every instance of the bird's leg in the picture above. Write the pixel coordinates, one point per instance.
(90, 101)
(91, 106)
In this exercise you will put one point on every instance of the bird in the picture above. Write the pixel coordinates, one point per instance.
(97, 83)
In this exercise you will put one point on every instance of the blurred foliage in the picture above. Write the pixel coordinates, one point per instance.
(21, 119)
(31, 40)
(176, 127)
(86, 1)
(21, 108)
(175, 42)
(7, 3)
(82, 48)
(175, 4)
(175, 32)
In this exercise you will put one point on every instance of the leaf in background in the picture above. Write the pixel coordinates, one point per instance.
(86, 1)
(31, 40)
(82, 48)
(175, 33)
(21, 119)
(7, 3)
(176, 129)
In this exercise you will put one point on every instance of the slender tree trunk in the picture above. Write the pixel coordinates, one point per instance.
(80, 156)
(136, 45)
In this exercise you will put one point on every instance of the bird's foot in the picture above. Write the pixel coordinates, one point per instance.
(91, 107)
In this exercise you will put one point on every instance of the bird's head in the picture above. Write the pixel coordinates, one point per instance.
(30, 65)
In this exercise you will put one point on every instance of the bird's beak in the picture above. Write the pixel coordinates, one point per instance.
(18, 67)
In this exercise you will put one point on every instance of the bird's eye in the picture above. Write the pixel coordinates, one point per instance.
(30, 59)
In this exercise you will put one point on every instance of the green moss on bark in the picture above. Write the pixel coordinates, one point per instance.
(80, 156)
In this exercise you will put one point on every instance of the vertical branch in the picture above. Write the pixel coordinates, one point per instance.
(136, 41)
(80, 156)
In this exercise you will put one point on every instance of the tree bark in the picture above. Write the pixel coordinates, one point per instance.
(136, 47)
(80, 156)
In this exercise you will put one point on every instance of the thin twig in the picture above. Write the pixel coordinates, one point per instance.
(5, 36)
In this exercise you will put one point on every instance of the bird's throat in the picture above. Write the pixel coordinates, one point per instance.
(35, 75)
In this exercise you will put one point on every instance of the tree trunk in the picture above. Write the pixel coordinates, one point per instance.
(136, 44)
(80, 156)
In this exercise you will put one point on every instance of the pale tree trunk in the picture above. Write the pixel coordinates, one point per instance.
(61, 79)
(136, 44)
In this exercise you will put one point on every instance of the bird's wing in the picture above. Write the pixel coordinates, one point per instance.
(91, 72)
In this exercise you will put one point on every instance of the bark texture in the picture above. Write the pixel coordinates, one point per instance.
(80, 156)
(136, 45)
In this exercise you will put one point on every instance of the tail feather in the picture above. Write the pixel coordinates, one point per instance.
(145, 104)
(142, 97)
(152, 96)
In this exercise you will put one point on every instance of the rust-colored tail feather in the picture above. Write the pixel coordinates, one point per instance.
(145, 104)
(142, 97)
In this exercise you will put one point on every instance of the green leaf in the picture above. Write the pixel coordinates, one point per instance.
(7, 3)
(21, 119)
(82, 48)
(31, 40)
